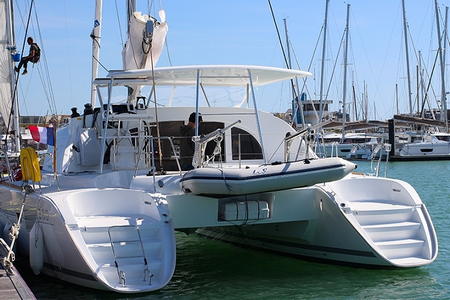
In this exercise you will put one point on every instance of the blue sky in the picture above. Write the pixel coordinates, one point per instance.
(236, 32)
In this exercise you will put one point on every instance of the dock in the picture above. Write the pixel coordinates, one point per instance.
(12, 286)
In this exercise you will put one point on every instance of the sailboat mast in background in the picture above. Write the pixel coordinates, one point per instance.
(405, 33)
(344, 88)
(96, 36)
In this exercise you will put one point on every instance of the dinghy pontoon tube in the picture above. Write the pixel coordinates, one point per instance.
(265, 178)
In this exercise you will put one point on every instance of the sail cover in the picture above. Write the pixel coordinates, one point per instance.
(5, 64)
(144, 31)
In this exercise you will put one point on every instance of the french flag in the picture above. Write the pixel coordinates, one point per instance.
(43, 135)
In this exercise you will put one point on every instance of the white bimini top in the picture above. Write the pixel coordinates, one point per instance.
(209, 75)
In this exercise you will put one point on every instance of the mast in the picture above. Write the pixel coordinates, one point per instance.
(396, 97)
(442, 62)
(323, 60)
(354, 102)
(95, 35)
(289, 66)
(344, 88)
(131, 8)
(366, 103)
(417, 88)
(12, 75)
(374, 111)
(445, 52)
(421, 82)
(407, 57)
(288, 48)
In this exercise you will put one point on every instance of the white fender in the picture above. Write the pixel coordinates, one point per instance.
(36, 249)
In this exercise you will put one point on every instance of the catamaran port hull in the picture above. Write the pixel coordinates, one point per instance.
(125, 248)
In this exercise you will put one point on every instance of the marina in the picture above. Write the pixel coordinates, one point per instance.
(176, 180)
(216, 269)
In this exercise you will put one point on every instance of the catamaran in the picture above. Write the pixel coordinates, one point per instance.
(107, 220)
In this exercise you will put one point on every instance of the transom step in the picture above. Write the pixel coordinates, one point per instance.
(392, 226)
(400, 243)
(379, 208)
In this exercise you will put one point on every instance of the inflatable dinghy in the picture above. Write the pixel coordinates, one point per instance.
(265, 178)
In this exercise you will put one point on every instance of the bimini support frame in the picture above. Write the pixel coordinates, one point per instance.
(209, 75)
(250, 85)
(105, 116)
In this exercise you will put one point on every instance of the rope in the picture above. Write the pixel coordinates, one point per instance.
(100, 63)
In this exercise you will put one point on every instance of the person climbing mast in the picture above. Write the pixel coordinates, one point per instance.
(33, 56)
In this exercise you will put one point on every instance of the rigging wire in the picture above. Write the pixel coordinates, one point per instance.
(168, 52)
(305, 87)
(48, 90)
(334, 66)
(118, 21)
(426, 71)
(282, 48)
(311, 61)
(51, 99)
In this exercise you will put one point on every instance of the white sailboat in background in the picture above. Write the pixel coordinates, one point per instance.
(108, 220)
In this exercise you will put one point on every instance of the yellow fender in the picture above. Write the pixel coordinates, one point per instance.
(29, 162)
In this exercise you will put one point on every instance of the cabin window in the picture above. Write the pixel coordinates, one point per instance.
(173, 129)
(443, 138)
(331, 140)
(426, 150)
(249, 146)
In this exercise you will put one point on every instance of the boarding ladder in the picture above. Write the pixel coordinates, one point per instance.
(122, 256)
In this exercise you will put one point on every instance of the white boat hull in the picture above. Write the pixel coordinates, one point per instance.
(395, 231)
(79, 235)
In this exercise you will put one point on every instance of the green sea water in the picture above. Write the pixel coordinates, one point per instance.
(210, 269)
